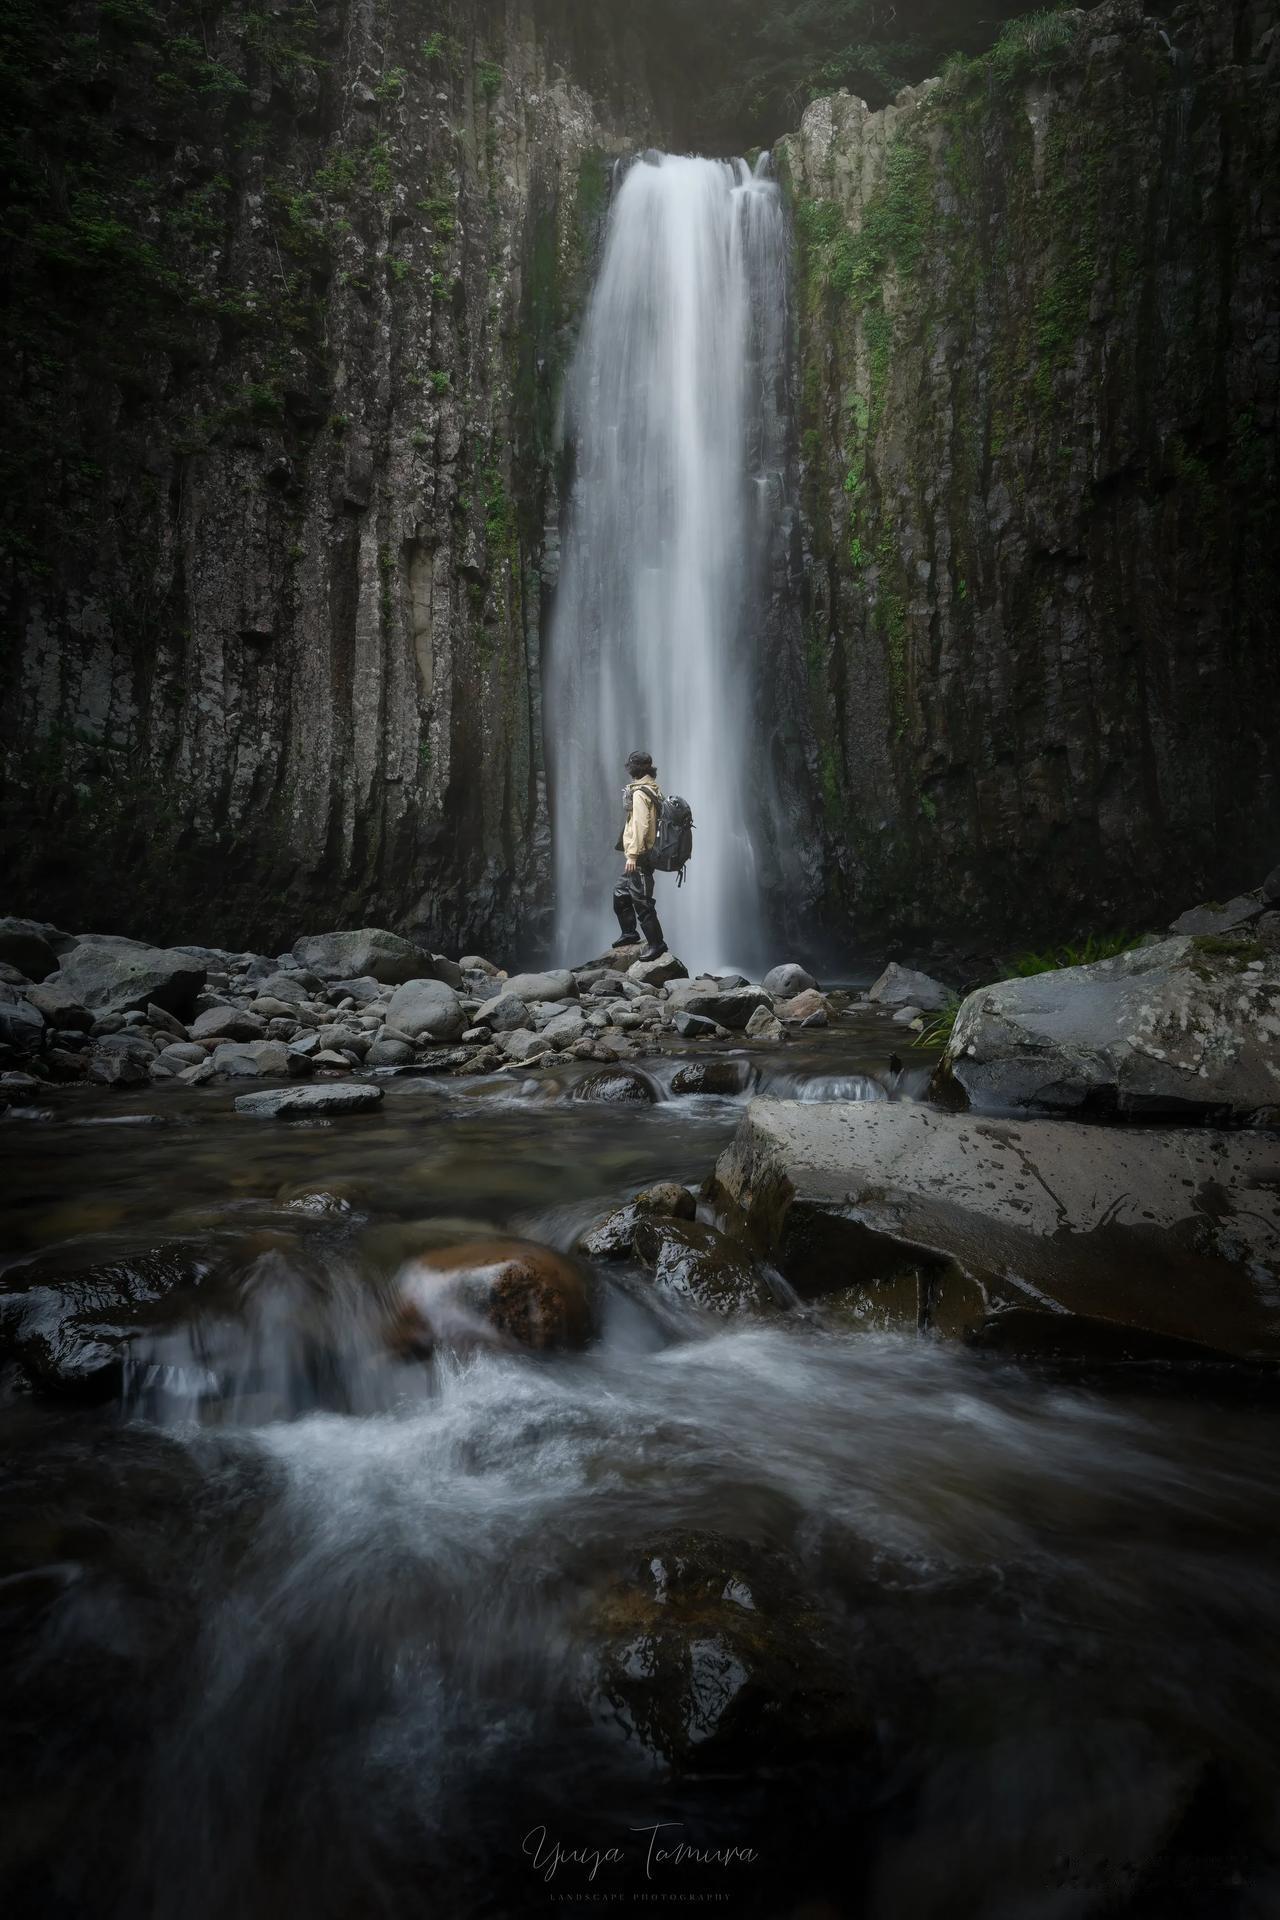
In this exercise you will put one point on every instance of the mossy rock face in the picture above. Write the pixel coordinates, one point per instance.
(710, 1654)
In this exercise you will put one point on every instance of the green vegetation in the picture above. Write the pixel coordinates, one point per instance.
(938, 1027)
(489, 78)
(1095, 947)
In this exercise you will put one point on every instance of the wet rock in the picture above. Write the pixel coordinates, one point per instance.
(503, 1015)
(710, 1654)
(302, 1103)
(565, 1029)
(901, 987)
(330, 1060)
(21, 1023)
(614, 1237)
(906, 1015)
(723, 1077)
(1237, 914)
(24, 945)
(198, 1076)
(728, 1006)
(666, 1199)
(1183, 1027)
(487, 1290)
(427, 1009)
(389, 1053)
(60, 1007)
(227, 1023)
(622, 1086)
(701, 1267)
(788, 981)
(695, 1026)
(1171, 1233)
(349, 1040)
(113, 976)
(370, 951)
(657, 973)
(802, 1006)
(557, 985)
(523, 1044)
(254, 1059)
(68, 1318)
(121, 1060)
(764, 1025)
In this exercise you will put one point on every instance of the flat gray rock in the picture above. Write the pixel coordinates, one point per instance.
(556, 985)
(113, 976)
(1171, 1234)
(728, 1006)
(293, 1103)
(1187, 1026)
(369, 950)
(903, 987)
(1212, 918)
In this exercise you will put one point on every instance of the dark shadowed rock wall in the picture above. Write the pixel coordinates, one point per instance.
(1035, 680)
(293, 288)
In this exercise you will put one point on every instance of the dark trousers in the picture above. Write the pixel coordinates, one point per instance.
(633, 901)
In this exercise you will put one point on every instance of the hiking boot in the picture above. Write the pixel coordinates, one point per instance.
(628, 940)
(654, 951)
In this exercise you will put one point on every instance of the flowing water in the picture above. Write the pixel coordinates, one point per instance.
(296, 1627)
(670, 517)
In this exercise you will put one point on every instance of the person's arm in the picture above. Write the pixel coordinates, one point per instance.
(636, 835)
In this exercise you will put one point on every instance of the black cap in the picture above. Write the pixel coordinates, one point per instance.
(639, 762)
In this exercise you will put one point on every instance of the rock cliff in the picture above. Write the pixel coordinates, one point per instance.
(293, 288)
(1036, 684)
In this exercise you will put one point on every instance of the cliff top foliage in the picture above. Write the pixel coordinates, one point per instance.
(740, 72)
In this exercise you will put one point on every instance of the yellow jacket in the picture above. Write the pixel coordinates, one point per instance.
(640, 829)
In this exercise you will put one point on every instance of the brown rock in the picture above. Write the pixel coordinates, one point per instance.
(492, 1292)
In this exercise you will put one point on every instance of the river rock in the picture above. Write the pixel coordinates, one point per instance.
(565, 1029)
(302, 1103)
(621, 1086)
(283, 987)
(21, 1023)
(557, 985)
(711, 1655)
(257, 1059)
(701, 1267)
(68, 1318)
(1188, 1026)
(121, 1060)
(1213, 919)
(656, 973)
(113, 976)
(614, 1237)
(522, 1044)
(24, 945)
(787, 981)
(182, 1053)
(487, 1290)
(372, 951)
(803, 1008)
(1169, 1234)
(504, 1014)
(695, 1026)
(722, 1077)
(727, 1006)
(476, 963)
(427, 1010)
(901, 987)
(365, 991)
(227, 1023)
(389, 1053)
(764, 1025)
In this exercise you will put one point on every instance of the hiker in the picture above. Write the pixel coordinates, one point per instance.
(633, 895)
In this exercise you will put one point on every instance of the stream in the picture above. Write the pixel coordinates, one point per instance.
(295, 1626)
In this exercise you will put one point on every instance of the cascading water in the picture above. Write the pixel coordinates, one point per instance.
(675, 491)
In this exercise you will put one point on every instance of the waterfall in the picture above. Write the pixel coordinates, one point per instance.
(675, 435)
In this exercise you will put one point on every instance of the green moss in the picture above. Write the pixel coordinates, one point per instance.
(489, 78)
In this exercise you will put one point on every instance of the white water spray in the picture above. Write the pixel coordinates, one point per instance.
(653, 641)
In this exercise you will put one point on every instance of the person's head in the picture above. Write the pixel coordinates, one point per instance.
(639, 764)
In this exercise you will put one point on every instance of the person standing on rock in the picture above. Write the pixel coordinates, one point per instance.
(633, 895)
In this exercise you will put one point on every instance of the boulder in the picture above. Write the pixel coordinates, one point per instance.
(182, 1053)
(700, 1267)
(711, 1656)
(1187, 1026)
(68, 1318)
(614, 1238)
(558, 985)
(522, 1044)
(565, 1028)
(667, 1200)
(1215, 919)
(722, 1077)
(764, 1025)
(268, 1007)
(492, 1291)
(476, 963)
(121, 1060)
(164, 1022)
(694, 1026)
(256, 1059)
(656, 973)
(23, 944)
(305, 1103)
(227, 1023)
(1165, 1235)
(389, 1053)
(902, 987)
(617, 1086)
(785, 982)
(727, 1006)
(504, 1014)
(802, 1006)
(427, 1010)
(22, 1024)
(110, 976)
(371, 950)
(283, 987)
(364, 990)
